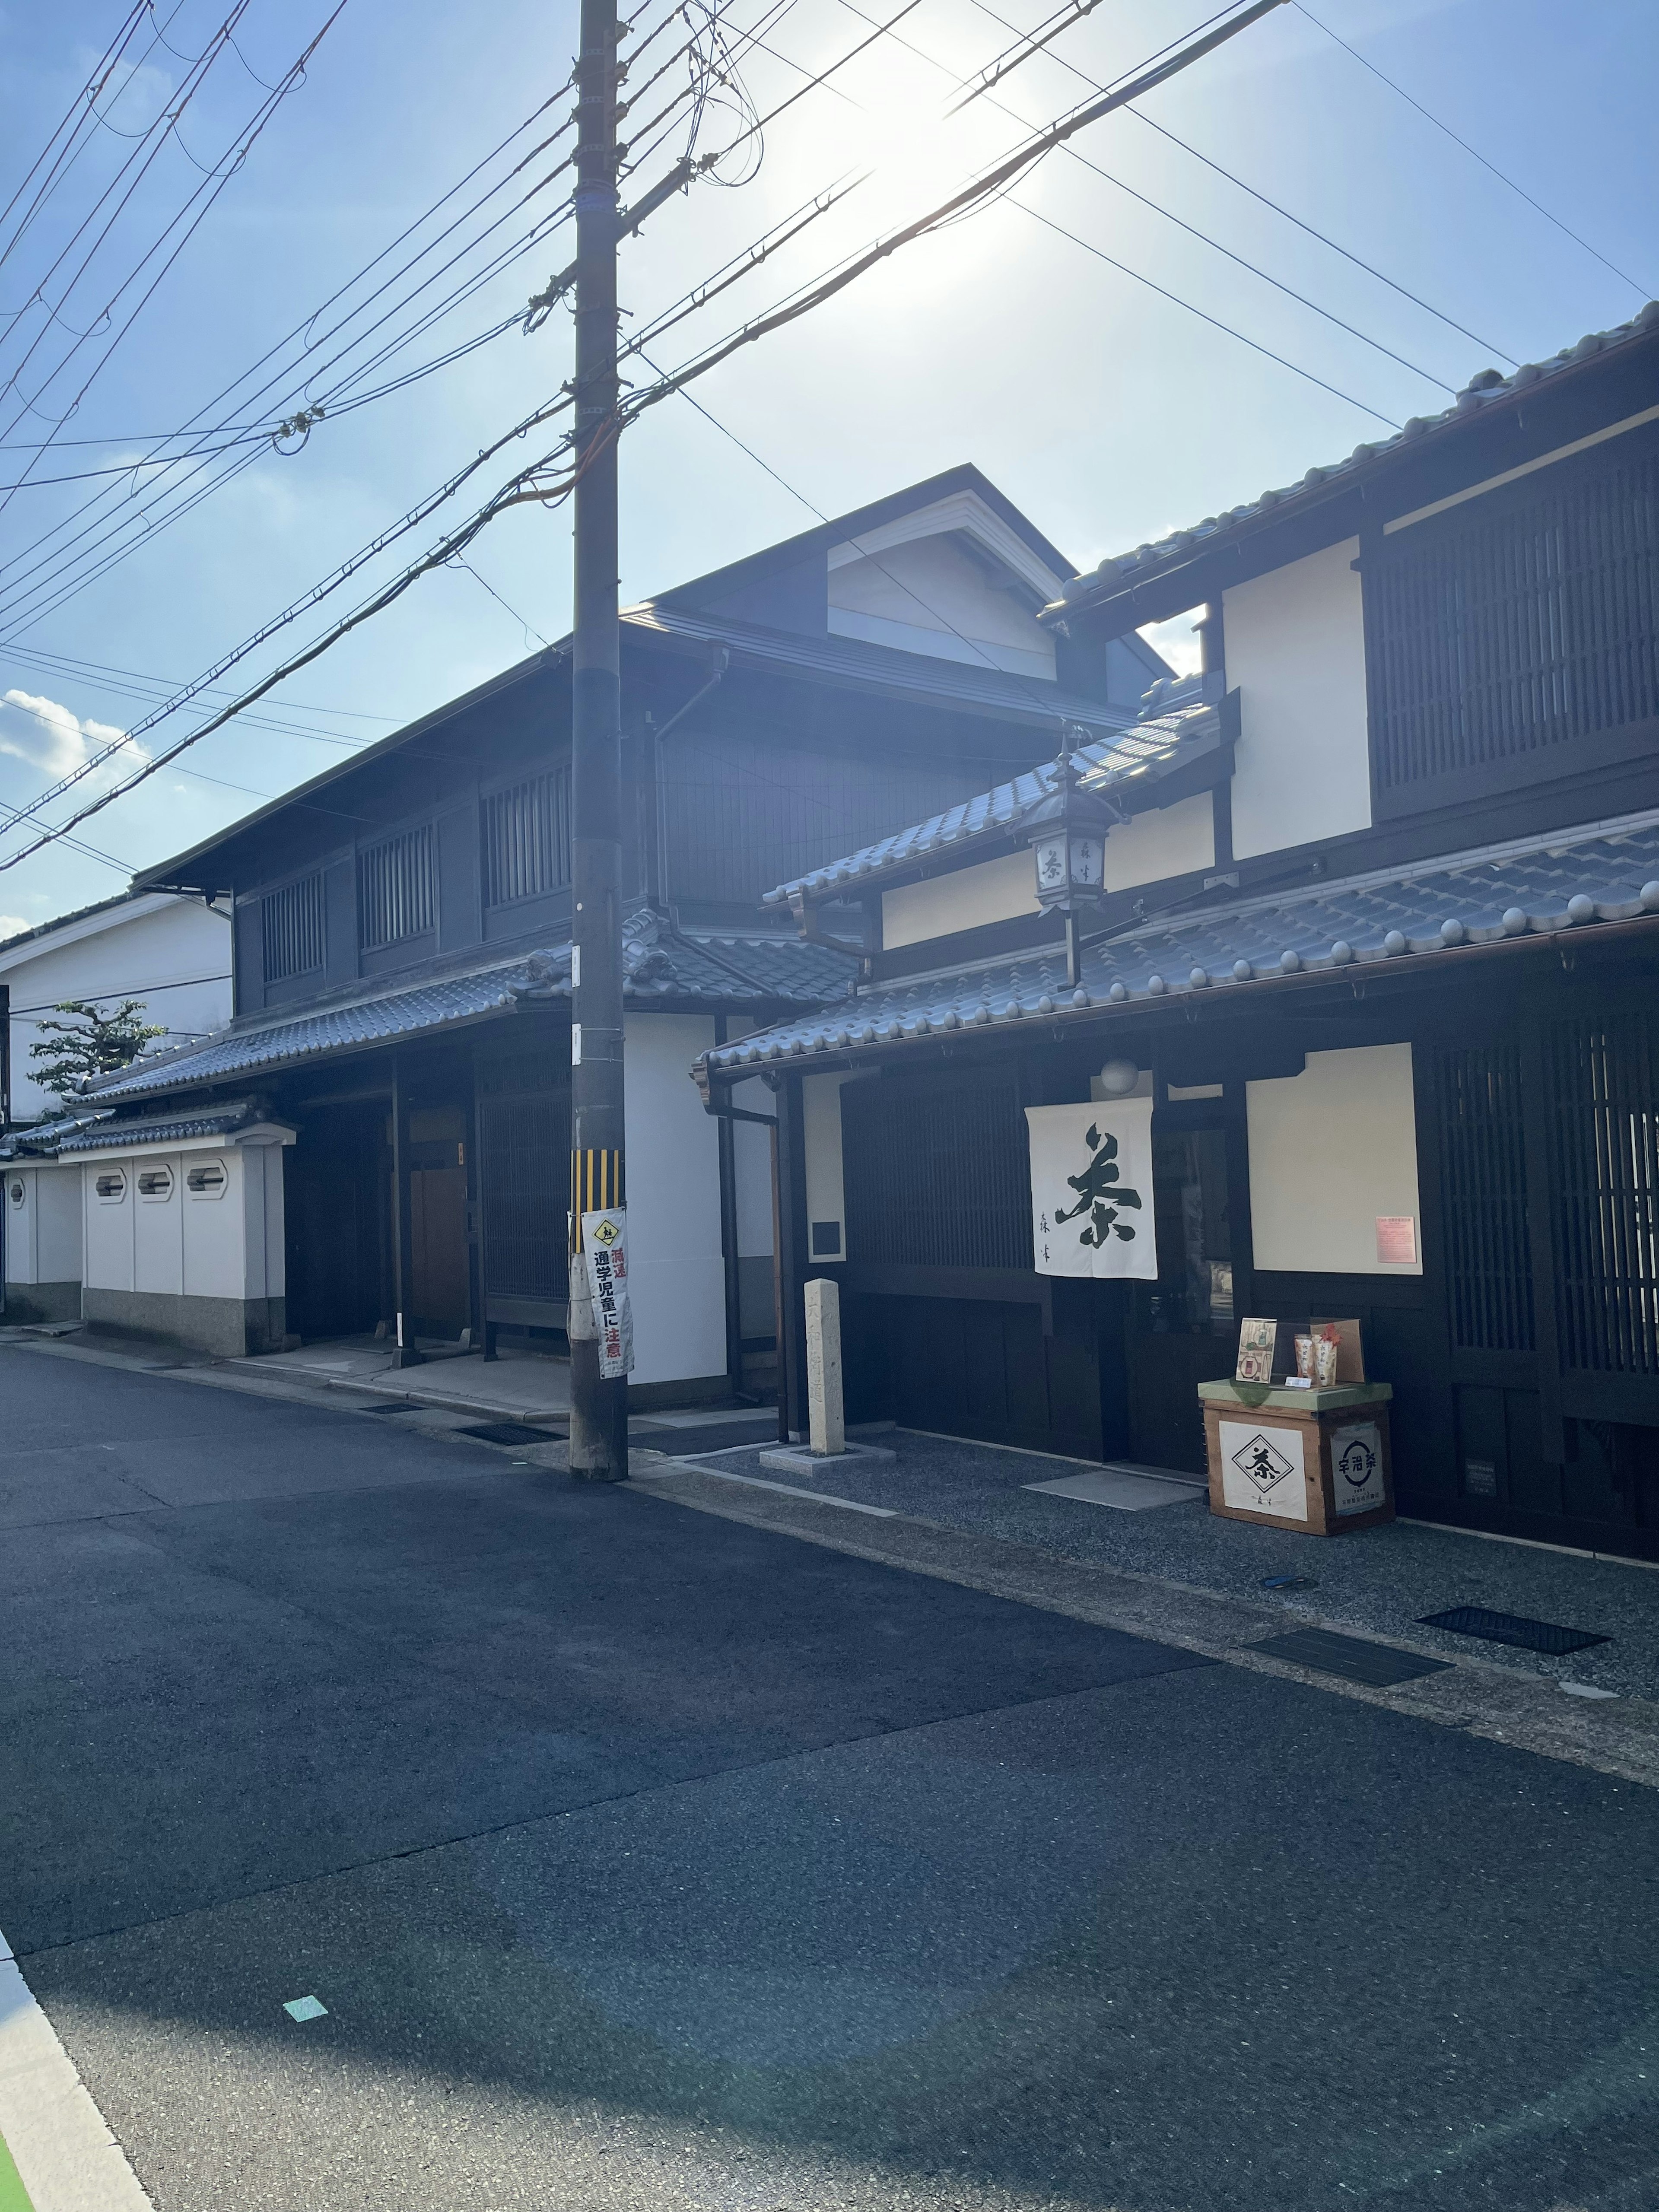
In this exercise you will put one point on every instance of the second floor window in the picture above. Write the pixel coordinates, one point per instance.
(526, 838)
(1503, 633)
(291, 929)
(396, 888)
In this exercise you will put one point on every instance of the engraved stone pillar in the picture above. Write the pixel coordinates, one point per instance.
(826, 1428)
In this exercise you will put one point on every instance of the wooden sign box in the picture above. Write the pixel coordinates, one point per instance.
(1316, 1462)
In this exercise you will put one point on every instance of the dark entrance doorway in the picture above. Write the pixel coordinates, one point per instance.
(336, 1193)
(1180, 1328)
(441, 1263)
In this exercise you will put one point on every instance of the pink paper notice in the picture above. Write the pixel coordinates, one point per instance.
(1396, 1240)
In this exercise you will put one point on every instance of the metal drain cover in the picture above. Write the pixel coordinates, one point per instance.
(1351, 1656)
(512, 1432)
(1513, 1628)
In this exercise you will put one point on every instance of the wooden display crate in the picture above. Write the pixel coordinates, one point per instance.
(1313, 1460)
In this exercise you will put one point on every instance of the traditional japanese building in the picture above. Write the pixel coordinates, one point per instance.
(1370, 912)
(379, 1138)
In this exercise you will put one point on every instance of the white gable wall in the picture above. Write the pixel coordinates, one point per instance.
(933, 596)
(1295, 645)
(173, 953)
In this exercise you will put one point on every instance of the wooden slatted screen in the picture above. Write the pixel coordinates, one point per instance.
(1604, 1132)
(526, 838)
(936, 1177)
(1483, 1168)
(1510, 626)
(291, 929)
(396, 888)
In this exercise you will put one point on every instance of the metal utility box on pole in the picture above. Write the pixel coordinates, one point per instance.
(599, 1404)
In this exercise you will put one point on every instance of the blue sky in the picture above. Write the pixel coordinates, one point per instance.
(1109, 412)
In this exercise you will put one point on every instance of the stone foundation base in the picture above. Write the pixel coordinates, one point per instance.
(231, 1328)
(27, 1302)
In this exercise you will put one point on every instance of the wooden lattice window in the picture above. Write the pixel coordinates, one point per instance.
(396, 888)
(1513, 626)
(1604, 1123)
(1483, 1166)
(526, 838)
(936, 1176)
(291, 929)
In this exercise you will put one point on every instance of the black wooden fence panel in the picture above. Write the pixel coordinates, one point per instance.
(936, 1176)
(1484, 1182)
(1604, 1123)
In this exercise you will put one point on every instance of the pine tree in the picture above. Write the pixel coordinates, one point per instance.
(94, 1042)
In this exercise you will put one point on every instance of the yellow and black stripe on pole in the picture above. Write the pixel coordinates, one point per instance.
(596, 1184)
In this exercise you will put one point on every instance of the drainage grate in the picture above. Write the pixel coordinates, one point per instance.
(1513, 1628)
(512, 1432)
(1379, 1664)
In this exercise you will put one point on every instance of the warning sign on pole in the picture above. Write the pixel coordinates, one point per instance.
(604, 1247)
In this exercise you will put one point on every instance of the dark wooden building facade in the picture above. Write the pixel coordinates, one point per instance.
(1390, 982)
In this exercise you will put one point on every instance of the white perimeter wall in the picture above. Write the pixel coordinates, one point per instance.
(675, 1274)
(187, 1244)
(1330, 1150)
(43, 1230)
(173, 953)
(1295, 647)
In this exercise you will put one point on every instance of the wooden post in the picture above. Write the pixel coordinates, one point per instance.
(826, 1426)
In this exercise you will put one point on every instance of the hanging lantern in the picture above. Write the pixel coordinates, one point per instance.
(1067, 833)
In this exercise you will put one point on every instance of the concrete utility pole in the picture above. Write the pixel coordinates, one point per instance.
(598, 1405)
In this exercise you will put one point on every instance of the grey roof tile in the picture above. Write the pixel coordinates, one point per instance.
(172, 1128)
(1143, 564)
(1599, 873)
(659, 964)
(1150, 747)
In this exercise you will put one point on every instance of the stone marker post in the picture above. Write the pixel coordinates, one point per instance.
(826, 1426)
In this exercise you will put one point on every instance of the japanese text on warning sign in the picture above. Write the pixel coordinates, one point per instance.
(604, 1245)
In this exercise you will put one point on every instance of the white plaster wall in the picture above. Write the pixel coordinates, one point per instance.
(21, 1210)
(1295, 645)
(933, 597)
(1168, 841)
(173, 953)
(825, 1197)
(967, 898)
(675, 1273)
(214, 1230)
(1330, 1150)
(57, 1224)
(158, 1238)
(108, 1228)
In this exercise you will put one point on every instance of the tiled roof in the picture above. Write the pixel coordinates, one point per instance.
(1144, 563)
(110, 1131)
(41, 1139)
(1149, 749)
(1433, 909)
(659, 964)
(985, 690)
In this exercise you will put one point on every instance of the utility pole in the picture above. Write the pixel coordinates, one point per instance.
(598, 1405)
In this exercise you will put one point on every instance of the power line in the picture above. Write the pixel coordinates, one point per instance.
(1323, 239)
(1077, 154)
(1503, 177)
(525, 486)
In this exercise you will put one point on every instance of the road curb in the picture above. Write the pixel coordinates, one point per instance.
(65, 2156)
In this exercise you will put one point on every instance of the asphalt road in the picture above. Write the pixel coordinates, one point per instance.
(644, 1859)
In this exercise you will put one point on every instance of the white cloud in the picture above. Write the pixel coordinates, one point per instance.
(48, 737)
(12, 925)
(1177, 641)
